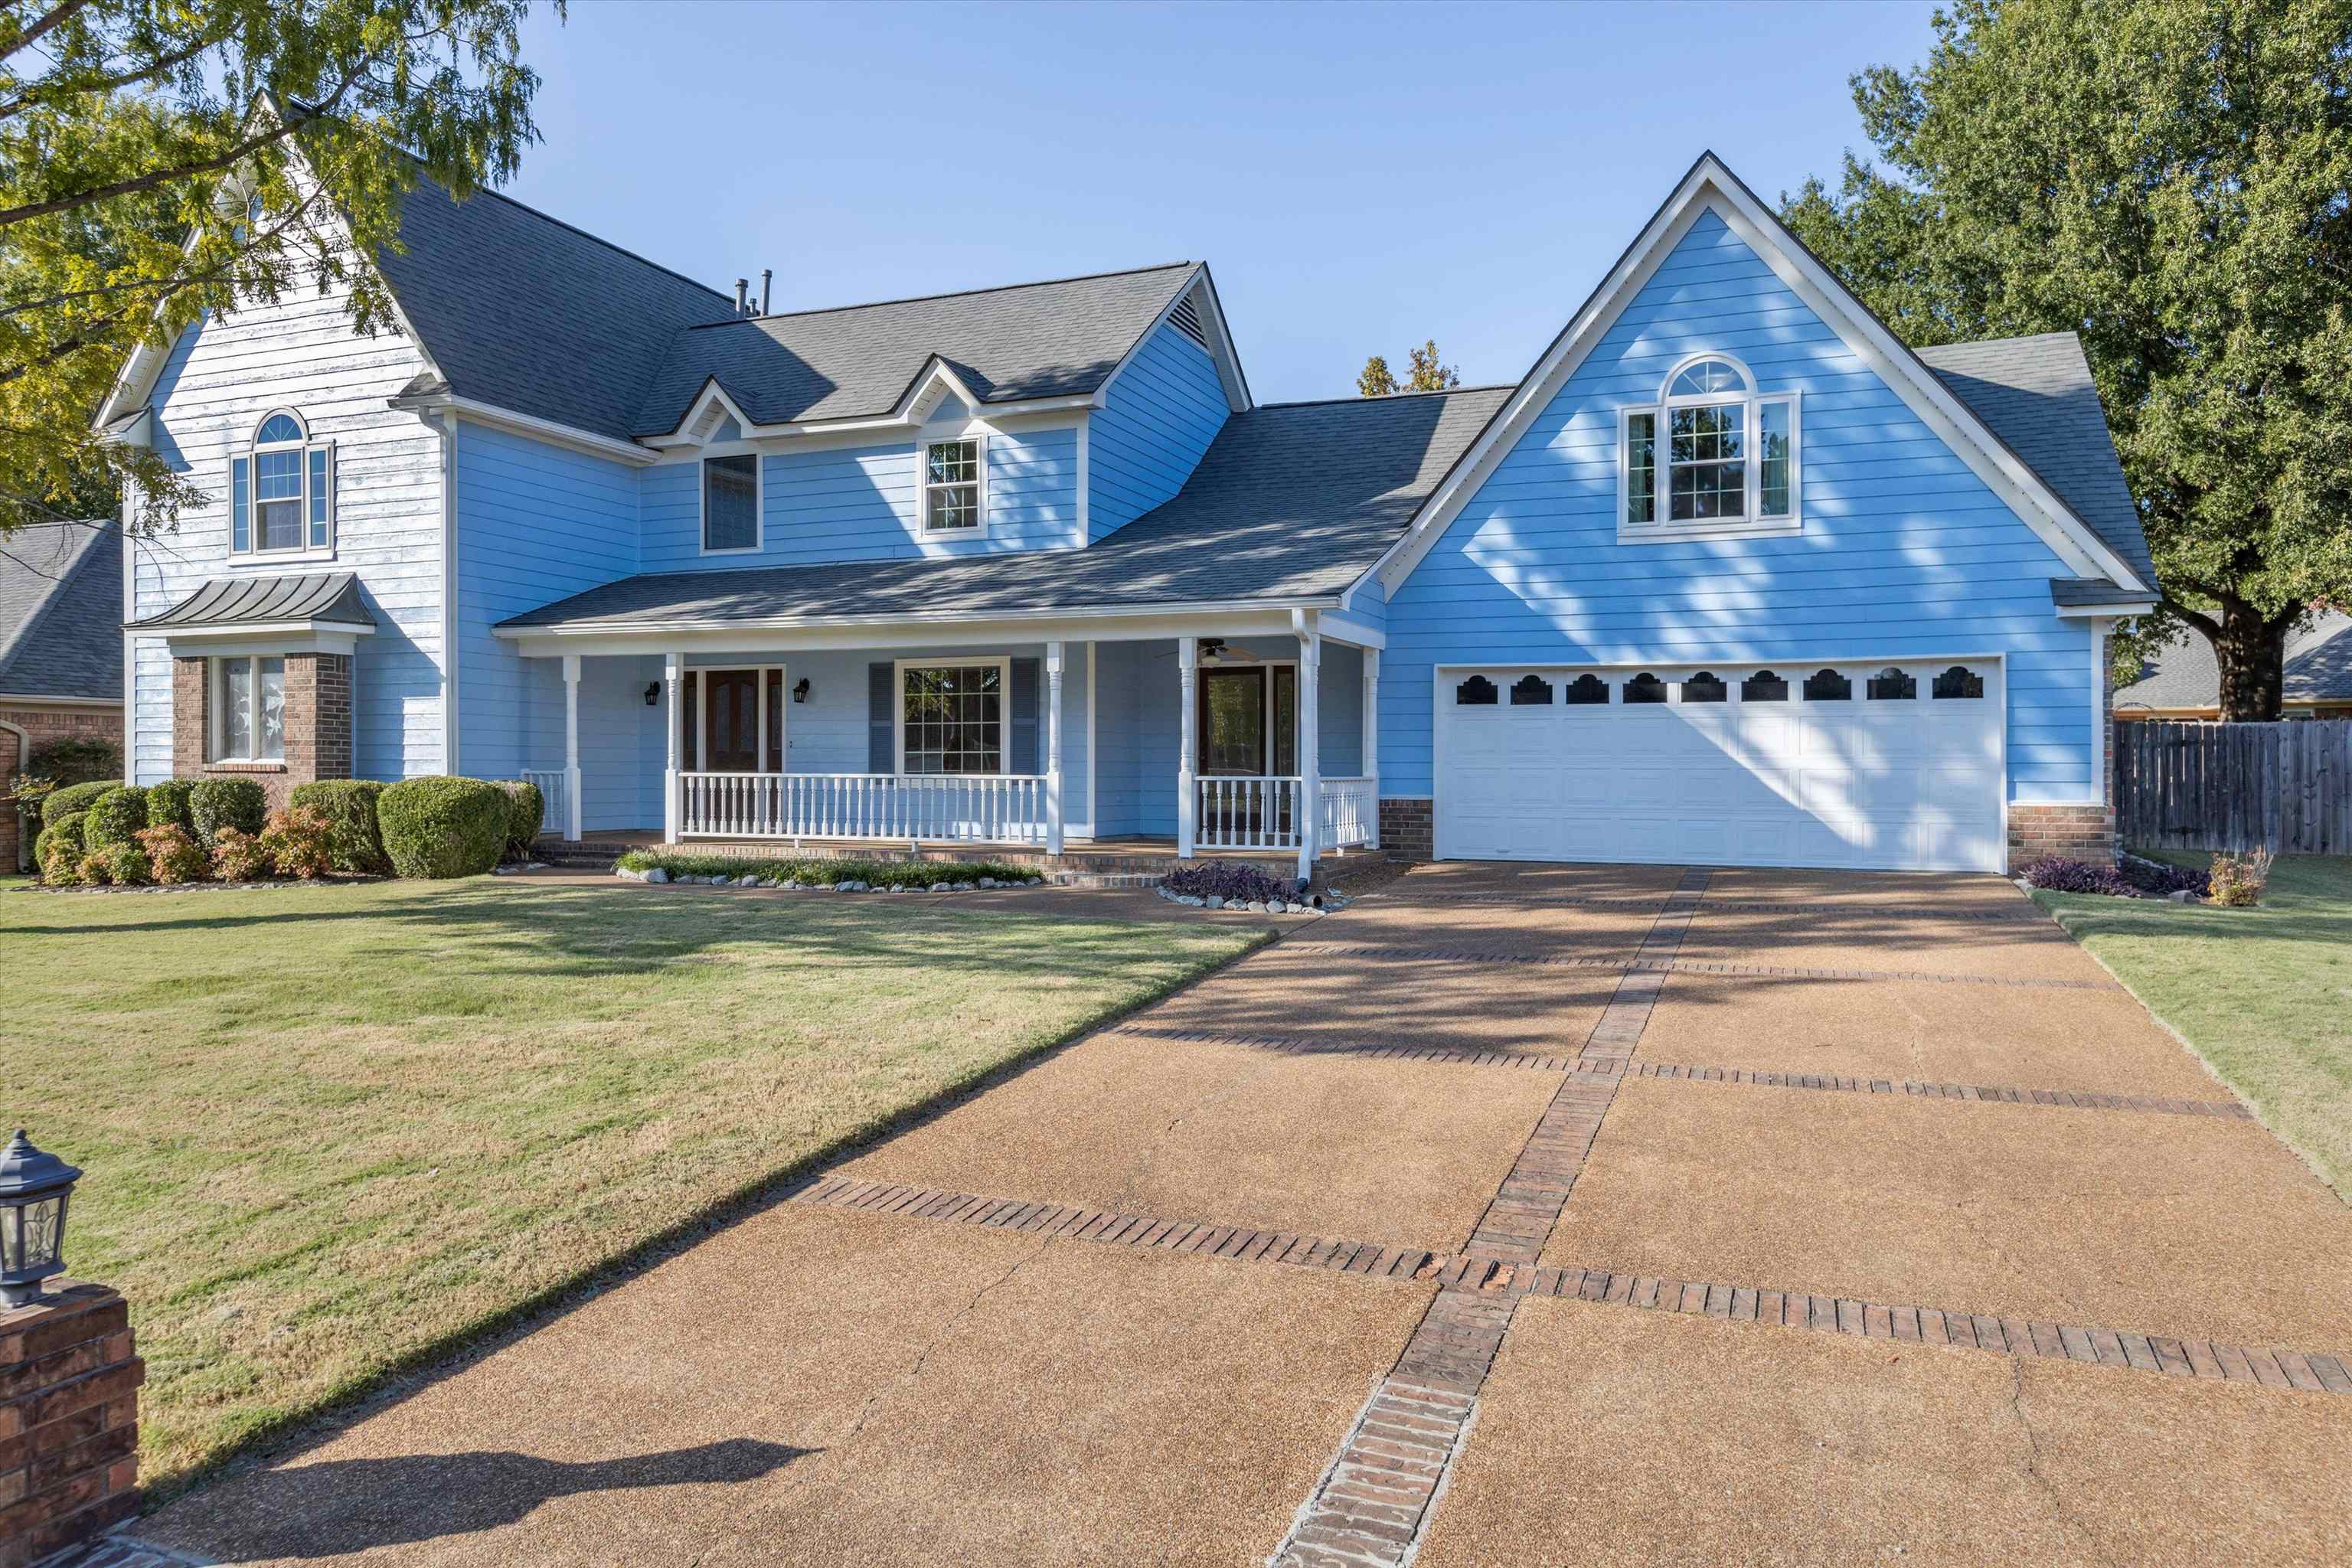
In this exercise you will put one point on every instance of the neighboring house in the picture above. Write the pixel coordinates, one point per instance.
(2181, 681)
(61, 648)
(1731, 577)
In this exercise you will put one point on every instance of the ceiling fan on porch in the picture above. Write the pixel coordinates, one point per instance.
(1214, 651)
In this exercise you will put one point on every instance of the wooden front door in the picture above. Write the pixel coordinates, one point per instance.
(1231, 741)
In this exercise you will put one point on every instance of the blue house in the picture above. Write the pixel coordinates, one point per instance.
(1730, 576)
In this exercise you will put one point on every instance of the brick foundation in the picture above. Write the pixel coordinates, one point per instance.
(317, 725)
(1408, 829)
(43, 725)
(68, 1422)
(2077, 831)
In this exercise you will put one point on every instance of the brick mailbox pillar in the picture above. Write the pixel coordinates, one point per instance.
(69, 1421)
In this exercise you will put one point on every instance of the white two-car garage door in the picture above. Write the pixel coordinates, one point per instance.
(1895, 767)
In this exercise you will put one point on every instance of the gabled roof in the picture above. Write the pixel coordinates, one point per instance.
(1292, 502)
(2185, 675)
(1056, 339)
(61, 611)
(330, 598)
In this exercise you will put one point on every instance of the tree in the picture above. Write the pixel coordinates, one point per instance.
(2167, 178)
(1427, 374)
(159, 161)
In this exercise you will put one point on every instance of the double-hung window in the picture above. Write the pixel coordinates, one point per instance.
(249, 709)
(283, 492)
(951, 717)
(730, 503)
(1712, 456)
(954, 486)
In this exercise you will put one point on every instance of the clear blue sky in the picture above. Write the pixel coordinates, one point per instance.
(1360, 177)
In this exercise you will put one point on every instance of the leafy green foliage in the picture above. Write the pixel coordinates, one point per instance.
(298, 841)
(127, 864)
(76, 797)
(444, 826)
(239, 855)
(1428, 371)
(74, 759)
(215, 804)
(811, 872)
(173, 854)
(2165, 178)
(60, 849)
(529, 813)
(168, 804)
(158, 162)
(1376, 380)
(356, 844)
(115, 817)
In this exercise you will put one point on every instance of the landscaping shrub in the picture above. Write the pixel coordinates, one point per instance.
(216, 804)
(2060, 874)
(298, 841)
(127, 864)
(353, 840)
(172, 854)
(167, 806)
(529, 815)
(2238, 881)
(237, 856)
(76, 797)
(93, 870)
(810, 872)
(443, 826)
(1236, 881)
(115, 817)
(61, 764)
(2162, 876)
(64, 839)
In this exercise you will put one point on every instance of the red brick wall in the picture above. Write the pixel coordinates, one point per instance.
(2077, 831)
(1408, 829)
(317, 725)
(69, 1382)
(42, 725)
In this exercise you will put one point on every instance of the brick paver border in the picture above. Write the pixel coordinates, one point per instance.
(1824, 907)
(1686, 966)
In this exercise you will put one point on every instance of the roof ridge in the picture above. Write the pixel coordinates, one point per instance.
(1385, 397)
(949, 294)
(616, 248)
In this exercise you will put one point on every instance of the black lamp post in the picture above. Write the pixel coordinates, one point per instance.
(34, 1188)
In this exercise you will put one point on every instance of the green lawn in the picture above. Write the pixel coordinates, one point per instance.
(329, 1130)
(2264, 995)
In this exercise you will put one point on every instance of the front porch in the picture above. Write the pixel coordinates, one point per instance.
(1153, 750)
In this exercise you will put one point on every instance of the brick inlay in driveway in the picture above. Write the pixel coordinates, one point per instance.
(1855, 911)
(2003, 1094)
(1688, 966)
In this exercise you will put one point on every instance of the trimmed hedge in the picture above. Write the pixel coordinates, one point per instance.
(168, 805)
(75, 797)
(444, 826)
(528, 815)
(216, 803)
(172, 854)
(811, 873)
(115, 817)
(354, 838)
(126, 863)
(64, 839)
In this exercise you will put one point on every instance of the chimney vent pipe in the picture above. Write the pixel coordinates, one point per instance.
(766, 275)
(742, 288)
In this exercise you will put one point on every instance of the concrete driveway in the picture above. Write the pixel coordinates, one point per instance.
(1541, 1213)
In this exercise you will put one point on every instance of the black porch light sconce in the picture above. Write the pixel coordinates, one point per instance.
(653, 693)
(800, 689)
(34, 1188)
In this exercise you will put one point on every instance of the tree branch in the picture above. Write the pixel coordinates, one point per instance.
(42, 93)
(57, 16)
(2198, 618)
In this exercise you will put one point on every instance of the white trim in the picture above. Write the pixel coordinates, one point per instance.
(933, 381)
(946, 629)
(226, 641)
(2102, 715)
(1265, 719)
(1711, 186)
(427, 405)
(1709, 660)
(943, 436)
(1003, 662)
(702, 504)
(130, 639)
(16, 699)
(1085, 483)
(1355, 633)
(1754, 522)
(450, 593)
(343, 629)
(1086, 829)
(2124, 611)
(1225, 357)
(759, 733)
(216, 704)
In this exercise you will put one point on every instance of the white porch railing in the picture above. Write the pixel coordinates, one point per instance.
(947, 808)
(558, 809)
(1352, 813)
(1247, 813)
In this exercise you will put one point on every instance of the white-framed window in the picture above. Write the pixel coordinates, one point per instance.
(730, 503)
(954, 716)
(282, 490)
(1712, 456)
(955, 485)
(250, 708)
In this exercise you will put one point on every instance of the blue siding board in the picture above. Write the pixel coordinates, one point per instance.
(1157, 419)
(1904, 551)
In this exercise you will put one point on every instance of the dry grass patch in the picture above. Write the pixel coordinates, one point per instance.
(327, 1128)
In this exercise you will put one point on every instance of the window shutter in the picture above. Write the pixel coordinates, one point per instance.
(240, 504)
(881, 717)
(1023, 749)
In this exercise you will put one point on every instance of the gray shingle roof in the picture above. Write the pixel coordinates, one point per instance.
(2037, 395)
(2085, 592)
(331, 597)
(61, 611)
(530, 314)
(1291, 502)
(2185, 674)
(1033, 339)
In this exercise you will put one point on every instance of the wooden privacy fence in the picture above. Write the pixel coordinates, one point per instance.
(2286, 788)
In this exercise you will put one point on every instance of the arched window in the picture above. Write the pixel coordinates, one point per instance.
(1645, 688)
(1723, 453)
(1705, 687)
(1530, 691)
(1892, 685)
(282, 490)
(1475, 692)
(1959, 681)
(1587, 691)
(1828, 686)
(1763, 687)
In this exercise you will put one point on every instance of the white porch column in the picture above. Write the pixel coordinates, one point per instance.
(1310, 745)
(1372, 763)
(1052, 748)
(572, 747)
(1188, 676)
(673, 671)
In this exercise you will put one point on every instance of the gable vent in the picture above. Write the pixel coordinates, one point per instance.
(1186, 320)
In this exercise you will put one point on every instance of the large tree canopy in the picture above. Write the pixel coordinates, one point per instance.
(1429, 372)
(2169, 179)
(159, 159)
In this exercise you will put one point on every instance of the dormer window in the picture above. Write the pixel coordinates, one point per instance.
(951, 486)
(1711, 456)
(282, 490)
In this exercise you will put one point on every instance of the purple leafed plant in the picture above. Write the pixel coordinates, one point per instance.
(1231, 880)
(2059, 875)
